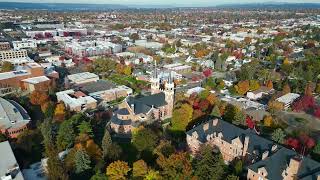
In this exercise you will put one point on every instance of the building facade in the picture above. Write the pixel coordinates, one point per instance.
(264, 159)
(156, 107)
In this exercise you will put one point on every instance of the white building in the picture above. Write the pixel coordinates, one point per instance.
(15, 57)
(25, 44)
(288, 99)
(81, 78)
(92, 48)
(76, 101)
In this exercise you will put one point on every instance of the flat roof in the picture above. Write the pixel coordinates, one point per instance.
(36, 80)
(8, 161)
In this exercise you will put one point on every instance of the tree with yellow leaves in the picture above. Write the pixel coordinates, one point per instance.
(267, 121)
(118, 170)
(127, 70)
(254, 85)
(242, 87)
(139, 169)
(60, 112)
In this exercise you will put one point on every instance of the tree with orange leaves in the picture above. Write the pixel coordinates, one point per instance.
(38, 97)
(308, 90)
(286, 89)
(269, 84)
(242, 87)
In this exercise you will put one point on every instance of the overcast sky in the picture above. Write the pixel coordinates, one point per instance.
(160, 2)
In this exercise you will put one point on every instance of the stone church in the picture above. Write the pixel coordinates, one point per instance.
(135, 110)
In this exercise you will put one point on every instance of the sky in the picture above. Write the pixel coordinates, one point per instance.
(161, 2)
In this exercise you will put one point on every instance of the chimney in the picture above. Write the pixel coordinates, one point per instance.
(274, 148)
(132, 107)
(205, 127)
(245, 146)
(294, 166)
(265, 155)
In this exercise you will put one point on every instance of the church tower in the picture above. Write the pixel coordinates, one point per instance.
(155, 81)
(169, 95)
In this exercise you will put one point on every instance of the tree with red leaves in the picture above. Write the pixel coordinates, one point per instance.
(207, 73)
(65, 34)
(317, 112)
(304, 103)
(250, 122)
(307, 143)
(48, 35)
(204, 105)
(293, 143)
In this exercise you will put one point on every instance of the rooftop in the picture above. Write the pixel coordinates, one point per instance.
(12, 114)
(8, 163)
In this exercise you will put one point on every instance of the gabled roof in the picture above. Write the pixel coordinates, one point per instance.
(230, 132)
(279, 161)
(145, 103)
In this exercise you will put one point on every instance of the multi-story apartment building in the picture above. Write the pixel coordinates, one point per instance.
(92, 48)
(4, 46)
(7, 55)
(264, 158)
(25, 44)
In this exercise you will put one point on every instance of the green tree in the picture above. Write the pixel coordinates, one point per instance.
(216, 111)
(55, 167)
(139, 169)
(153, 175)
(209, 166)
(104, 65)
(316, 149)
(164, 148)
(82, 161)
(118, 170)
(7, 66)
(106, 143)
(176, 166)
(65, 136)
(232, 177)
(85, 128)
(114, 152)
(99, 176)
(278, 136)
(181, 117)
(238, 167)
(144, 139)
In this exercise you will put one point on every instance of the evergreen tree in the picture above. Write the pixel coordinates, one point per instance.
(85, 128)
(209, 166)
(65, 136)
(216, 111)
(278, 136)
(82, 161)
(55, 167)
(106, 143)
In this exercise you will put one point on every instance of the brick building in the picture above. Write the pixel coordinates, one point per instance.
(264, 158)
(32, 77)
(13, 118)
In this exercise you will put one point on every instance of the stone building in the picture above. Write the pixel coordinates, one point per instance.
(135, 110)
(264, 158)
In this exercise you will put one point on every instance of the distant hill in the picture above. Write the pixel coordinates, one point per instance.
(59, 6)
(272, 6)
(97, 7)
